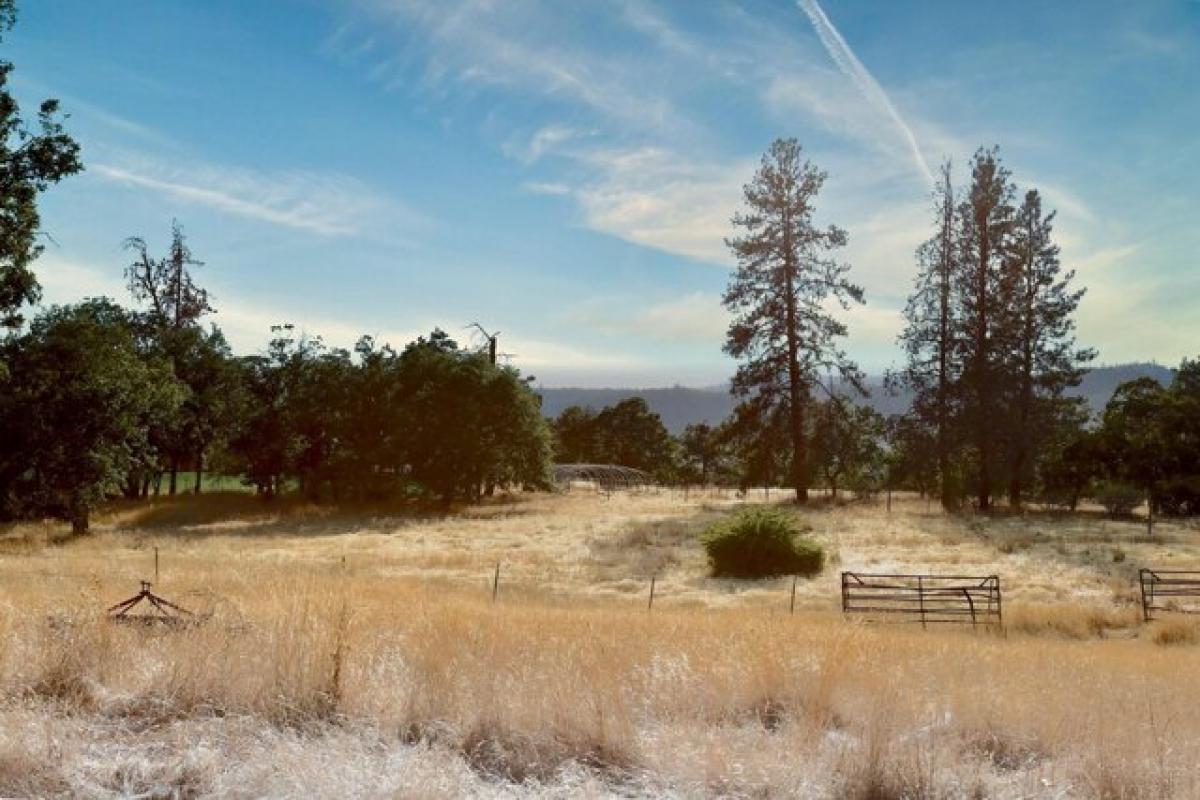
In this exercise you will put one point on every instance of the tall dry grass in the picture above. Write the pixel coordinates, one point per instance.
(318, 677)
(531, 694)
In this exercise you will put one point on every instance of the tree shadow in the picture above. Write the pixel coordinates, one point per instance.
(241, 514)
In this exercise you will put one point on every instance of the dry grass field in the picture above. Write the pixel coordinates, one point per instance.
(359, 653)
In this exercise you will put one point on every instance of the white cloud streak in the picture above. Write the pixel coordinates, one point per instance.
(323, 204)
(849, 64)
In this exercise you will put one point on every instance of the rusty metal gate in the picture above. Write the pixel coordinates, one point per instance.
(963, 599)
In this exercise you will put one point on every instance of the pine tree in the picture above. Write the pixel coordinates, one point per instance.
(782, 330)
(986, 220)
(1045, 358)
(928, 338)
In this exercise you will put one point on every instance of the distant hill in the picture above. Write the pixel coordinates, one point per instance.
(680, 406)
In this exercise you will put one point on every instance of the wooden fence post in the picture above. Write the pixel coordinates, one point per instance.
(496, 582)
(792, 606)
(156, 565)
(650, 605)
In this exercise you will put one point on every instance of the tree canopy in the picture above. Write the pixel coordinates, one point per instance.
(780, 294)
(32, 158)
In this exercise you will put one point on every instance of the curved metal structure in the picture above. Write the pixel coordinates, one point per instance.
(604, 476)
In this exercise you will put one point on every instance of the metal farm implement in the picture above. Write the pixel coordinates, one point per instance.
(156, 611)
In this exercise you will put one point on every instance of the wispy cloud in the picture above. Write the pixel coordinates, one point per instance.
(692, 318)
(543, 140)
(324, 204)
(849, 64)
(654, 197)
(512, 45)
(547, 188)
(247, 323)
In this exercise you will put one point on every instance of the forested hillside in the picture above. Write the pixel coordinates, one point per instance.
(680, 406)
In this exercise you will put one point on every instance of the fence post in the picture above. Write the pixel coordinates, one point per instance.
(921, 598)
(650, 605)
(156, 565)
(1142, 584)
(496, 582)
(999, 604)
(792, 607)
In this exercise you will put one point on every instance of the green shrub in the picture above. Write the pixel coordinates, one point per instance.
(761, 543)
(1118, 499)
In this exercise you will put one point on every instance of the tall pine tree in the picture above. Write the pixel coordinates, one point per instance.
(1045, 358)
(986, 219)
(928, 338)
(782, 330)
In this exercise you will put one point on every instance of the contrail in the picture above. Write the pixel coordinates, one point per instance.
(849, 64)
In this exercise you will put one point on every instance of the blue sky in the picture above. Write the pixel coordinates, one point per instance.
(564, 172)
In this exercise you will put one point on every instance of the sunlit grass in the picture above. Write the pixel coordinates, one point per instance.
(357, 652)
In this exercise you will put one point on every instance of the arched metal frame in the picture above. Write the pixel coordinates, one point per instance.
(605, 476)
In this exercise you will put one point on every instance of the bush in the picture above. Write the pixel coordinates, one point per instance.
(761, 543)
(1118, 499)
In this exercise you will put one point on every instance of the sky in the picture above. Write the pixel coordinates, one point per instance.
(565, 172)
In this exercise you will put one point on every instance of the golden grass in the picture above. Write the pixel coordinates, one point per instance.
(391, 673)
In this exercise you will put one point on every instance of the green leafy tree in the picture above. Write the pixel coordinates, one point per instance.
(575, 435)
(847, 444)
(631, 435)
(170, 325)
(1135, 435)
(469, 424)
(752, 436)
(77, 411)
(267, 443)
(1150, 438)
(913, 457)
(31, 160)
(780, 294)
(1071, 470)
(372, 462)
(702, 451)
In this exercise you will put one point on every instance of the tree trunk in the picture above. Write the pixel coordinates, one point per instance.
(983, 388)
(795, 394)
(197, 487)
(174, 476)
(1015, 487)
(1025, 401)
